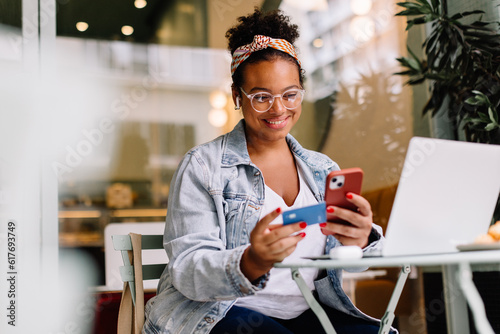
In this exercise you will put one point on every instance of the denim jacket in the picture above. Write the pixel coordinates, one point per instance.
(214, 203)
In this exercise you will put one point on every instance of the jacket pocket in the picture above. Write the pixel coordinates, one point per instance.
(233, 211)
(241, 217)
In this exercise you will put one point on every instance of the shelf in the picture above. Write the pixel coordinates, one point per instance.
(79, 214)
(116, 213)
(77, 240)
(82, 228)
(123, 213)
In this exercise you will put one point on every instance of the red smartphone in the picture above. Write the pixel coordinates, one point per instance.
(338, 184)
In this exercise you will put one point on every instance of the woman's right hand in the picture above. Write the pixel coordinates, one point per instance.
(269, 243)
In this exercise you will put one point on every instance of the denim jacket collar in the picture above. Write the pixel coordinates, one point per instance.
(235, 150)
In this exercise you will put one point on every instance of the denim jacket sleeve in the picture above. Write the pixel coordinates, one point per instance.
(201, 266)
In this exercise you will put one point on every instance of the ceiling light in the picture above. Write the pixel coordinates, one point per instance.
(186, 8)
(218, 99)
(361, 7)
(310, 5)
(82, 26)
(362, 28)
(127, 30)
(217, 117)
(318, 43)
(140, 3)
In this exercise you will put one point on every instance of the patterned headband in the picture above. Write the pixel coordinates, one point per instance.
(261, 42)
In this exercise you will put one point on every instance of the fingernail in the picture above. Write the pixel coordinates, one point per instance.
(330, 209)
(322, 225)
(303, 225)
(349, 195)
(302, 235)
(278, 210)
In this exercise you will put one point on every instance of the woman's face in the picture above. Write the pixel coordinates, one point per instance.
(275, 77)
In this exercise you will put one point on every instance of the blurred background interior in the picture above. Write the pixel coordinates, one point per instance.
(143, 81)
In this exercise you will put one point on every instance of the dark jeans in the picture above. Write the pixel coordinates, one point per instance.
(240, 320)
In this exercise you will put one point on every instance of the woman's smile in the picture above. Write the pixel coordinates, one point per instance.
(277, 123)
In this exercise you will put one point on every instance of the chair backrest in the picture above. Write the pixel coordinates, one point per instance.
(113, 259)
(123, 244)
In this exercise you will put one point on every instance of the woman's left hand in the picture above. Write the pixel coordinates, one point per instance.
(357, 232)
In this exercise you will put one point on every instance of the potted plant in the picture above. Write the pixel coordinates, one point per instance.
(462, 67)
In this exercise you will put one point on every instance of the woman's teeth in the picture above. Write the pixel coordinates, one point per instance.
(277, 122)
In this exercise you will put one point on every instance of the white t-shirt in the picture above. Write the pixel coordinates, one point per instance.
(281, 298)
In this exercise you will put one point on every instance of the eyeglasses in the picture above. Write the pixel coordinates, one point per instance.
(263, 101)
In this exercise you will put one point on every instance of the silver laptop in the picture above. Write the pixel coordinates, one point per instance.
(446, 196)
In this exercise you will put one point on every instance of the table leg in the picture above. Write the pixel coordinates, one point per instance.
(464, 277)
(457, 318)
(312, 302)
(388, 318)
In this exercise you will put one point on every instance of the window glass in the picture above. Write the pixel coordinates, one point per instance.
(10, 30)
(131, 102)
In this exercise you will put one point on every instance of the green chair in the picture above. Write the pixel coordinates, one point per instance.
(133, 273)
(123, 243)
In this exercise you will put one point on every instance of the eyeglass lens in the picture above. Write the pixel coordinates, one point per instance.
(263, 101)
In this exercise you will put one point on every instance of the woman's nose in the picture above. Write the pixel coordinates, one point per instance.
(277, 107)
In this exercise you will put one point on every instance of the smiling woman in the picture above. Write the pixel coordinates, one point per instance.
(222, 250)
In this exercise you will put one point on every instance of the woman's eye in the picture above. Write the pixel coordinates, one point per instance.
(290, 96)
(262, 97)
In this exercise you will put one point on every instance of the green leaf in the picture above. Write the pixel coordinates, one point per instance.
(431, 17)
(414, 64)
(420, 20)
(473, 120)
(472, 12)
(481, 97)
(481, 25)
(486, 35)
(409, 12)
(412, 5)
(493, 115)
(472, 101)
(403, 73)
(483, 117)
(412, 54)
(435, 5)
(424, 3)
(416, 81)
(409, 25)
(464, 14)
(490, 127)
(404, 61)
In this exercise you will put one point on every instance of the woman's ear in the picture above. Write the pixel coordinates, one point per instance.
(236, 98)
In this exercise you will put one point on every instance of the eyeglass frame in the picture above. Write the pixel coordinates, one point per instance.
(251, 96)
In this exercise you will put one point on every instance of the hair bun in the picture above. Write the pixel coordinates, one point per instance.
(273, 24)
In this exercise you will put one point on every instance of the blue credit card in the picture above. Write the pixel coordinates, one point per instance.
(313, 214)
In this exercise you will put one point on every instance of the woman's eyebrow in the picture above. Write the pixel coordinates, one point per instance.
(260, 89)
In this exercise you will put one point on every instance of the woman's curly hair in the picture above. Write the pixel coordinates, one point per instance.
(272, 24)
